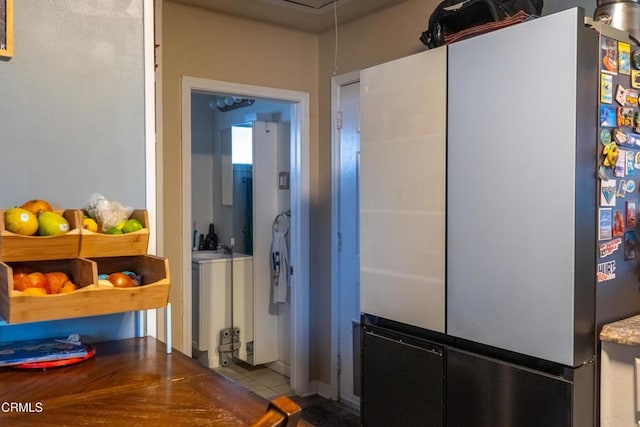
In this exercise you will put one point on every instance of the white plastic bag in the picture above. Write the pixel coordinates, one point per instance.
(107, 213)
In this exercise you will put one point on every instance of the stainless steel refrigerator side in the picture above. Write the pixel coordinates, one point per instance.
(585, 388)
(586, 189)
(511, 189)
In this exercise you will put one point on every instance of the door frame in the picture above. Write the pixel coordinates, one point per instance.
(336, 85)
(299, 228)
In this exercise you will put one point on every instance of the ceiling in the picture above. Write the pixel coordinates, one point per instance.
(312, 16)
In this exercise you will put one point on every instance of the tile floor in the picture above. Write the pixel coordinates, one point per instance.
(259, 379)
(316, 410)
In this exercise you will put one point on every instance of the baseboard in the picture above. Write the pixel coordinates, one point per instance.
(213, 361)
(321, 388)
(280, 367)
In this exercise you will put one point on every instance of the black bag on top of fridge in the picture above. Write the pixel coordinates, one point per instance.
(454, 20)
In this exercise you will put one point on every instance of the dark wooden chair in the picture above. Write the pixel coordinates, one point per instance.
(281, 412)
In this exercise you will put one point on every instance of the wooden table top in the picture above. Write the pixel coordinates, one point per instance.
(131, 382)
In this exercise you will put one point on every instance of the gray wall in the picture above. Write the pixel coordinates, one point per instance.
(553, 6)
(72, 120)
(72, 103)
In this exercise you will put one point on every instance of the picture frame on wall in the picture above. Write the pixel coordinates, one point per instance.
(6, 28)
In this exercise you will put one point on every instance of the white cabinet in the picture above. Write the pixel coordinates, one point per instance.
(619, 377)
(212, 279)
(402, 189)
(620, 373)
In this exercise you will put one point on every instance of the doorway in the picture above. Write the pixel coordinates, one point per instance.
(345, 247)
(299, 224)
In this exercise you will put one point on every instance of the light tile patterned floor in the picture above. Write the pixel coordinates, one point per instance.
(259, 379)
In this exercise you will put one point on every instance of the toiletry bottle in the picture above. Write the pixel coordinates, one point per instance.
(214, 237)
(194, 244)
(201, 245)
(208, 240)
(211, 240)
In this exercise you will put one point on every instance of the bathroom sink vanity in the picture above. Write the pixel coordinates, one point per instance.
(212, 278)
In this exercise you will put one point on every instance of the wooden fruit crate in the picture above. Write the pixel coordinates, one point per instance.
(16, 307)
(15, 247)
(152, 293)
(93, 245)
(90, 299)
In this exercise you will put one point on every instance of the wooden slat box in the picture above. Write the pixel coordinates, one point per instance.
(152, 293)
(93, 245)
(16, 307)
(15, 247)
(91, 299)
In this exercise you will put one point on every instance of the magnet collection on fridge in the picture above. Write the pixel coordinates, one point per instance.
(619, 156)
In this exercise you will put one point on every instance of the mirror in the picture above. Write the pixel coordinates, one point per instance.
(242, 187)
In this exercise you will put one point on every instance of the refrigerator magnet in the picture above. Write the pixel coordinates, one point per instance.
(629, 245)
(605, 218)
(631, 157)
(635, 79)
(622, 189)
(637, 164)
(607, 116)
(606, 88)
(631, 186)
(611, 154)
(609, 54)
(631, 215)
(608, 248)
(606, 271)
(635, 59)
(602, 172)
(621, 95)
(621, 165)
(608, 192)
(620, 136)
(605, 136)
(633, 139)
(632, 98)
(617, 229)
(624, 58)
(624, 116)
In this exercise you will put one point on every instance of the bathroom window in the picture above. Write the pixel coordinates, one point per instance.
(242, 145)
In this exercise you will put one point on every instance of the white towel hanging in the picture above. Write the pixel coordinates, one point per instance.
(280, 259)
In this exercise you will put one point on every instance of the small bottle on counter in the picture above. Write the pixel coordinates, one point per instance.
(211, 241)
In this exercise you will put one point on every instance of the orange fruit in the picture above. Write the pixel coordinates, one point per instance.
(17, 281)
(36, 292)
(35, 280)
(121, 280)
(56, 280)
(37, 206)
(21, 269)
(67, 287)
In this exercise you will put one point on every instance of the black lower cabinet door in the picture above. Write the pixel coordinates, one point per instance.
(485, 392)
(402, 382)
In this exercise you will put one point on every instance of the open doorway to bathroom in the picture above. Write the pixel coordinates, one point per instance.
(236, 313)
